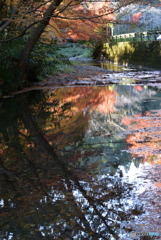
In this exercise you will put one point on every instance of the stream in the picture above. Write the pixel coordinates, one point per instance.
(83, 162)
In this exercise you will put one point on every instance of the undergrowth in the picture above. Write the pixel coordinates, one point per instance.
(79, 50)
(46, 59)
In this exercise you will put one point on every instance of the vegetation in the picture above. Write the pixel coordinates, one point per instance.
(58, 160)
(79, 50)
(134, 53)
(60, 150)
(139, 17)
(27, 26)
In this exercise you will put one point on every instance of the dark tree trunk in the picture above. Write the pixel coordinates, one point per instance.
(35, 35)
(1, 4)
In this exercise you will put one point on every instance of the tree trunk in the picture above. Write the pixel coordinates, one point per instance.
(35, 35)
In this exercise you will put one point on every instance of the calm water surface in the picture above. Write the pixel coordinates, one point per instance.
(81, 163)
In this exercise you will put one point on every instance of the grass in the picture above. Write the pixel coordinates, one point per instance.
(79, 50)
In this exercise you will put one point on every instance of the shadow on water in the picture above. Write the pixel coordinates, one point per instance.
(63, 157)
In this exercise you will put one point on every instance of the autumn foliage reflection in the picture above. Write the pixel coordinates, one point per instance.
(101, 99)
(43, 195)
(145, 138)
(81, 102)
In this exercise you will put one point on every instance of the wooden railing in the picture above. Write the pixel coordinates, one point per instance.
(137, 36)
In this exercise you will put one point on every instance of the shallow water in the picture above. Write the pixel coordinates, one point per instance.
(81, 163)
(119, 75)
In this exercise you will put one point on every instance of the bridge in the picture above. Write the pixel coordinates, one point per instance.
(137, 36)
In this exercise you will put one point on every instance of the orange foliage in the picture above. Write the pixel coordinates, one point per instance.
(79, 23)
(138, 88)
(135, 17)
(83, 100)
(158, 185)
(145, 138)
(98, 99)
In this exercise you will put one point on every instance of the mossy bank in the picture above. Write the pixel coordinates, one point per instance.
(143, 53)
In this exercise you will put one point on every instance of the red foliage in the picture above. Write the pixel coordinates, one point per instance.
(84, 22)
(135, 17)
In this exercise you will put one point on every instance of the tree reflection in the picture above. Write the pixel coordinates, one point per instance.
(144, 131)
(44, 194)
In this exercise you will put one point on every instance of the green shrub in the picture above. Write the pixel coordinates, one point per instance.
(45, 60)
(79, 50)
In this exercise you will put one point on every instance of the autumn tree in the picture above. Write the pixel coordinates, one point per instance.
(23, 23)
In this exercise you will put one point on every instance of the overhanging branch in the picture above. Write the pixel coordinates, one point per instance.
(8, 22)
(58, 16)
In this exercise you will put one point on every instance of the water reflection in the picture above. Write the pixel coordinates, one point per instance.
(60, 158)
(112, 66)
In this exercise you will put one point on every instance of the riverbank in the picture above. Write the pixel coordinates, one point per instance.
(78, 74)
(84, 74)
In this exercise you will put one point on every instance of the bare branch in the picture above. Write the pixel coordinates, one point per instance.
(36, 8)
(23, 32)
(69, 18)
(57, 31)
(69, 5)
(7, 23)
(96, 16)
